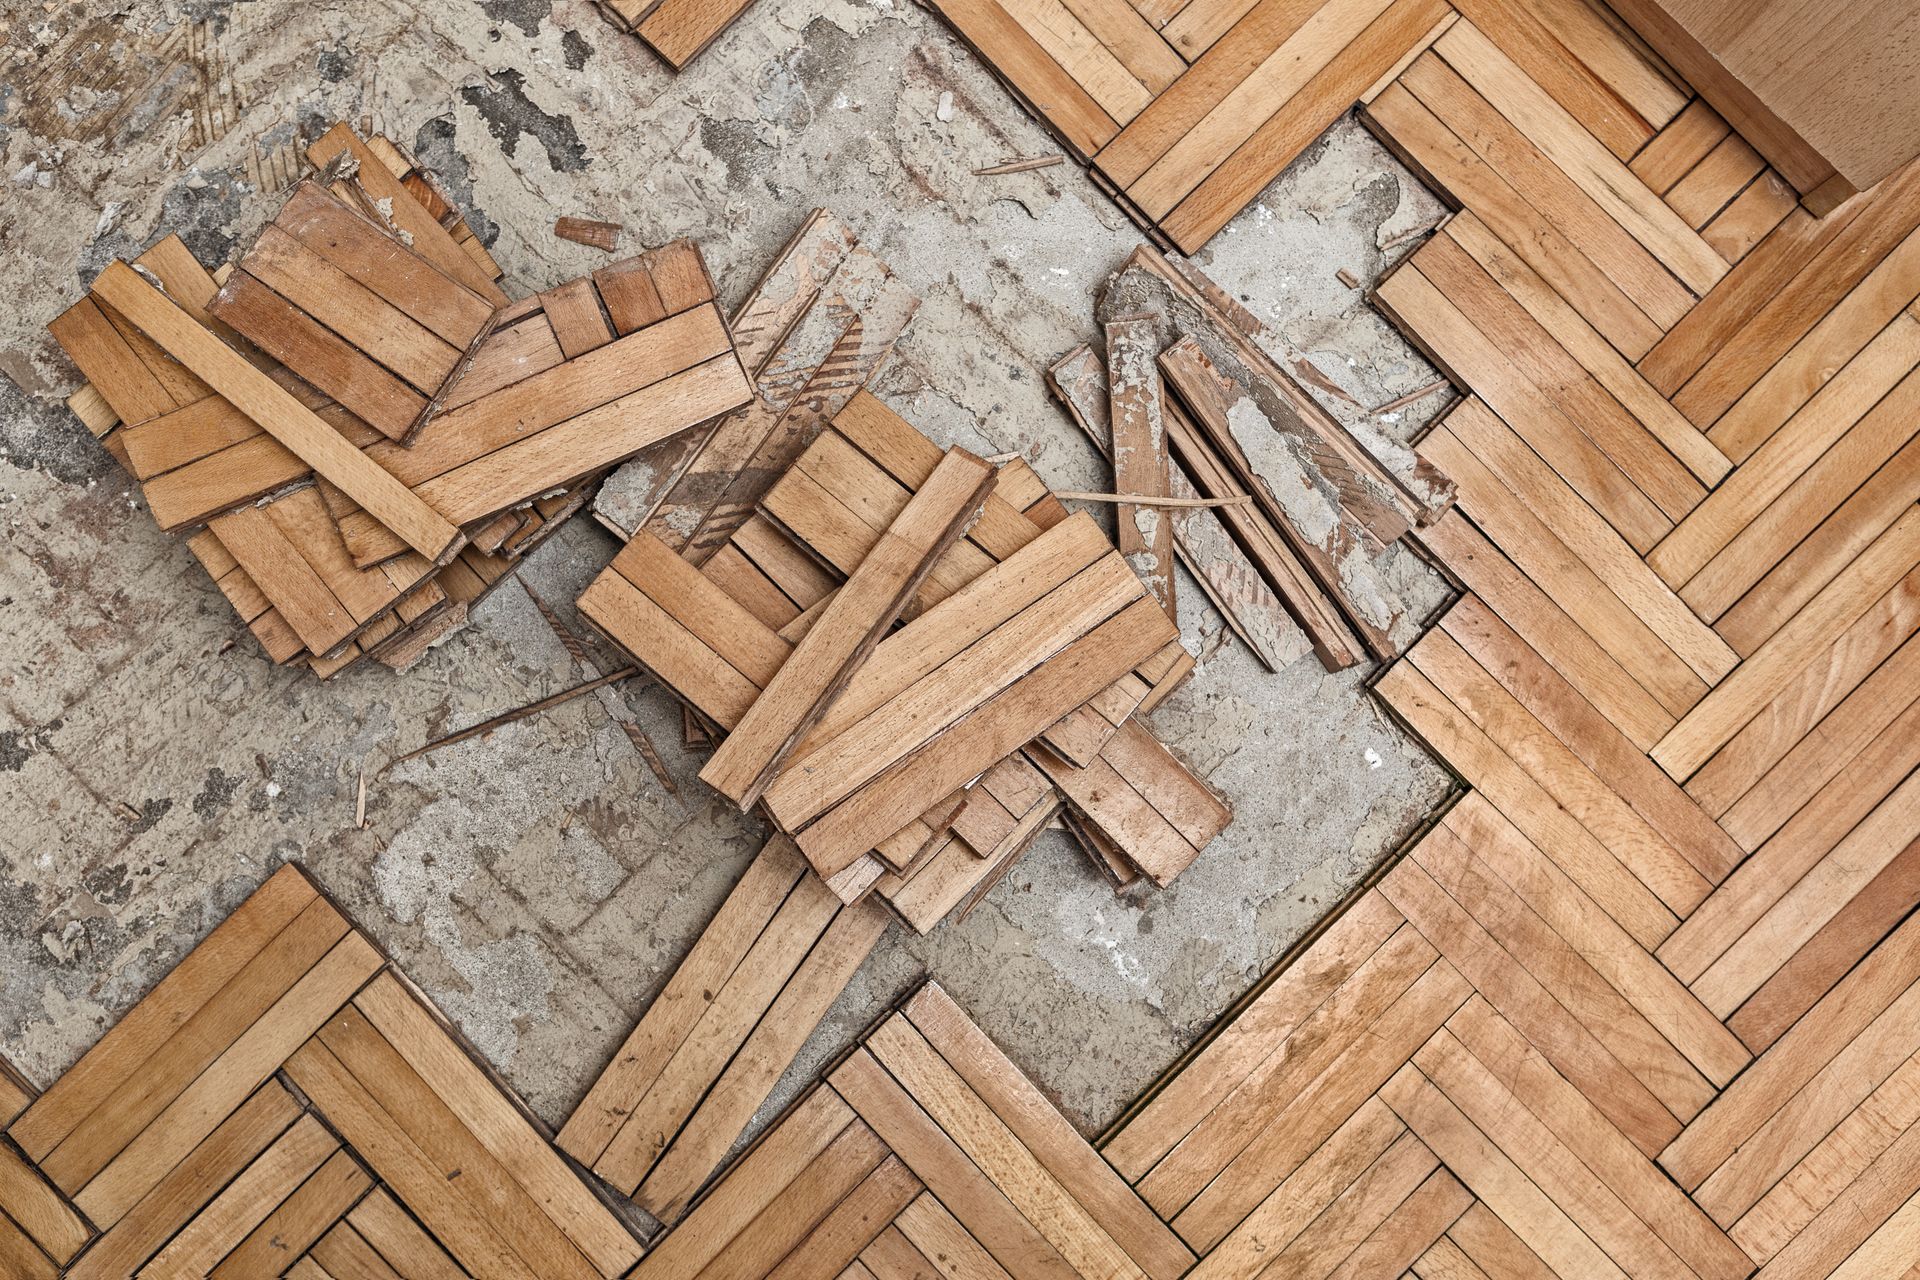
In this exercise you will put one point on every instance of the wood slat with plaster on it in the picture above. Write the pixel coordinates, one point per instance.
(1200, 535)
(1138, 445)
(1300, 504)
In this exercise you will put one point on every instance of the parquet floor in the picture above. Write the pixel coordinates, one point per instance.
(1644, 1002)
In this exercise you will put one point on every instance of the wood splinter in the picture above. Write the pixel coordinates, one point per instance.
(1020, 166)
(1142, 500)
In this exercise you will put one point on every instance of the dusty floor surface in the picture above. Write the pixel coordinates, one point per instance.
(540, 884)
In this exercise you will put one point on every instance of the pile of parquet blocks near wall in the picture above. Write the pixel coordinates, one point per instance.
(1198, 409)
(355, 429)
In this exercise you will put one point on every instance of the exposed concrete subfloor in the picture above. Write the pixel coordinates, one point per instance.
(540, 884)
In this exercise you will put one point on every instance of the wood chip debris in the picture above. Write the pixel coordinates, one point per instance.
(354, 429)
(508, 717)
(1142, 500)
(1412, 397)
(600, 235)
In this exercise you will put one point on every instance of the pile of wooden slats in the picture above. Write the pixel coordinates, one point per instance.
(738, 544)
(355, 429)
(285, 1103)
(1007, 693)
(910, 661)
(1198, 409)
(1021, 642)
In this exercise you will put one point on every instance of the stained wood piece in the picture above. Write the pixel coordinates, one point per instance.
(1274, 462)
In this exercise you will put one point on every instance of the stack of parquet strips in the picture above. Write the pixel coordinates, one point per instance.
(1203, 398)
(352, 503)
(1025, 646)
(1011, 629)
(815, 329)
(284, 1103)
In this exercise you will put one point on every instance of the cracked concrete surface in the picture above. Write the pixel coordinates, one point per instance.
(540, 883)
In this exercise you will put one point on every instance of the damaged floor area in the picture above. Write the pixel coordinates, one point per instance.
(540, 883)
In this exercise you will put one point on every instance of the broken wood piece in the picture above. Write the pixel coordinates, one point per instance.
(1382, 483)
(677, 30)
(384, 199)
(1412, 397)
(1154, 809)
(261, 399)
(1138, 435)
(1300, 501)
(600, 235)
(762, 325)
(833, 347)
(1327, 629)
(845, 633)
(1200, 537)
